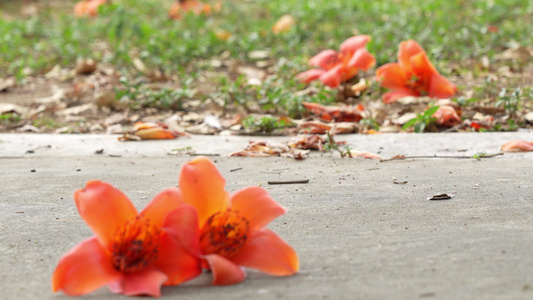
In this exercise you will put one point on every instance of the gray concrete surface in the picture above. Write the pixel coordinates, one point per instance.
(358, 235)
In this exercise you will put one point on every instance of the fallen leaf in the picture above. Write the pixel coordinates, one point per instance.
(59, 94)
(13, 108)
(6, 84)
(284, 24)
(517, 146)
(85, 66)
(359, 87)
(318, 127)
(76, 110)
(344, 113)
(223, 35)
(313, 142)
(442, 197)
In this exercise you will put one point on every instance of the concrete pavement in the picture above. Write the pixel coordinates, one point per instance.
(358, 234)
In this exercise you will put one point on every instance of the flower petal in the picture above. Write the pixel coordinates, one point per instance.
(176, 261)
(255, 204)
(202, 186)
(224, 271)
(441, 87)
(104, 208)
(326, 59)
(333, 77)
(392, 76)
(362, 59)
(517, 146)
(392, 96)
(182, 225)
(354, 43)
(310, 75)
(83, 269)
(268, 252)
(407, 50)
(421, 66)
(157, 133)
(165, 202)
(145, 282)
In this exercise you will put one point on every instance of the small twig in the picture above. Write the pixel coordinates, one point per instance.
(440, 156)
(236, 169)
(289, 181)
(31, 151)
(204, 154)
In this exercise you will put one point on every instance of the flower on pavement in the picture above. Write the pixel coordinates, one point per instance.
(232, 231)
(334, 67)
(132, 253)
(517, 146)
(413, 75)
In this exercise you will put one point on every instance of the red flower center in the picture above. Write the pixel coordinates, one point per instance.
(135, 245)
(224, 233)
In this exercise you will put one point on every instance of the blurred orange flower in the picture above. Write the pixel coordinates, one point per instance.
(87, 8)
(413, 75)
(335, 68)
(183, 6)
(131, 253)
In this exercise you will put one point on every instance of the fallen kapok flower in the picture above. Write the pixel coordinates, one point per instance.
(446, 116)
(517, 146)
(333, 68)
(180, 7)
(442, 197)
(232, 229)
(413, 75)
(318, 127)
(343, 113)
(150, 131)
(283, 25)
(132, 253)
(88, 8)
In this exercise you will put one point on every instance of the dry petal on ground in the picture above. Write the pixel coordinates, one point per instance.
(318, 127)
(345, 113)
(311, 142)
(368, 155)
(150, 131)
(517, 146)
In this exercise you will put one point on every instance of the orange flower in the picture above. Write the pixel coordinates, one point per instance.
(232, 232)
(131, 253)
(87, 8)
(413, 75)
(194, 6)
(517, 146)
(335, 68)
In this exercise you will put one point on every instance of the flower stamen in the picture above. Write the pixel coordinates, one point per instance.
(135, 245)
(224, 233)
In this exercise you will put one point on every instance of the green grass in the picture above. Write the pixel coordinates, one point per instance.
(454, 33)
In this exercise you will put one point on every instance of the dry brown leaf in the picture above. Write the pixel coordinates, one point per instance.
(85, 66)
(283, 24)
